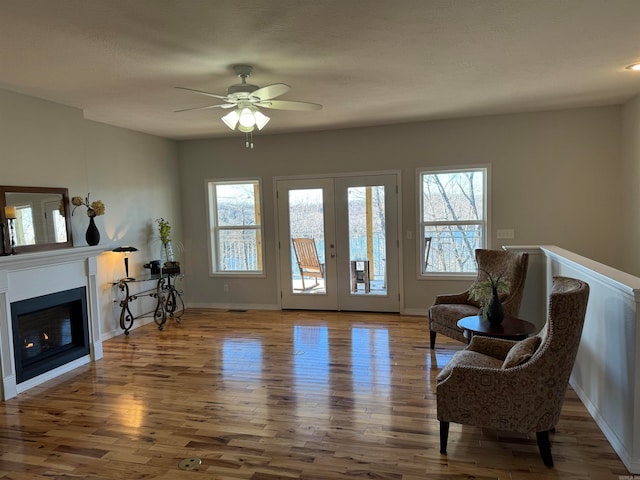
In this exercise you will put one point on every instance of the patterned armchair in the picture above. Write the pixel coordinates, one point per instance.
(448, 309)
(516, 386)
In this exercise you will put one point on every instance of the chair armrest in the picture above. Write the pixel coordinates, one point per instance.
(462, 297)
(493, 347)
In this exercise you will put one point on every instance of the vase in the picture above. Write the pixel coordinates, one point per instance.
(93, 234)
(494, 312)
(168, 252)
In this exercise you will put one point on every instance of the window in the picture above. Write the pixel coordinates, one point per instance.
(453, 219)
(236, 227)
(25, 233)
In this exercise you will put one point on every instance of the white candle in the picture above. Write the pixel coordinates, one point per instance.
(10, 212)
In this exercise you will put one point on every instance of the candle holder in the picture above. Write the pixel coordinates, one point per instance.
(4, 247)
(12, 235)
(10, 213)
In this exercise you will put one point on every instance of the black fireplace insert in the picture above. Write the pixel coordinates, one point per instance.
(49, 331)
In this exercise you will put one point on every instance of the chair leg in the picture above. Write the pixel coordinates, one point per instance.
(444, 437)
(544, 445)
(432, 339)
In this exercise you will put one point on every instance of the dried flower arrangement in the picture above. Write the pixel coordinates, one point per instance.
(94, 208)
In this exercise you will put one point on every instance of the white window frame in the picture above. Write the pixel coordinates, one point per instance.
(484, 223)
(215, 229)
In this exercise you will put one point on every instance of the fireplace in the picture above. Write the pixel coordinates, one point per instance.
(49, 316)
(49, 331)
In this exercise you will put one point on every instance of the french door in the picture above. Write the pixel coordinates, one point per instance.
(338, 241)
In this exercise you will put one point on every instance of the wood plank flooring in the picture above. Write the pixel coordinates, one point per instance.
(274, 395)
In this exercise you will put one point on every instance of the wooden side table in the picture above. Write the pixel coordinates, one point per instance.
(511, 328)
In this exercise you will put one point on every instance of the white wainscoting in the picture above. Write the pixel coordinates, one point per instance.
(606, 375)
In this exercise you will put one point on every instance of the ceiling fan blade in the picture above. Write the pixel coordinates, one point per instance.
(271, 91)
(221, 105)
(289, 105)
(202, 93)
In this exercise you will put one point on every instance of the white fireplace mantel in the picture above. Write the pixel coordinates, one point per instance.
(29, 275)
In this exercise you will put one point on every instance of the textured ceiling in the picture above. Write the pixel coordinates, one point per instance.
(367, 62)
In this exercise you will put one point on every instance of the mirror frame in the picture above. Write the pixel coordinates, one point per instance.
(4, 189)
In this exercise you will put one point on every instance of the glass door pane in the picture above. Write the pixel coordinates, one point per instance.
(306, 227)
(367, 240)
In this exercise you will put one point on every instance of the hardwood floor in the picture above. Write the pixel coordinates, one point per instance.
(274, 395)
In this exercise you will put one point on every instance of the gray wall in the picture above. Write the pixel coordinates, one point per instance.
(630, 186)
(136, 176)
(556, 179)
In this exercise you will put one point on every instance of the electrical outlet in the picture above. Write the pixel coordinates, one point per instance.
(505, 233)
(226, 288)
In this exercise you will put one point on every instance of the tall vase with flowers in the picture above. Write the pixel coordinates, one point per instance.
(94, 209)
(487, 292)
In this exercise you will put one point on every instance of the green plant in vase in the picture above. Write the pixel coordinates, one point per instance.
(165, 237)
(487, 293)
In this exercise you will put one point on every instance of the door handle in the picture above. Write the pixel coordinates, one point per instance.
(333, 253)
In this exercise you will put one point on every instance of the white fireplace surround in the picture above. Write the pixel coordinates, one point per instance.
(30, 275)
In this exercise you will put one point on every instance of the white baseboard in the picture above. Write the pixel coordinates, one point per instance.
(632, 464)
(235, 306)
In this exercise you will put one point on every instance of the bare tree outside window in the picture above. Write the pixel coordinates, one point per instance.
(236, 226)
(453, 219)
(306, 220)
(306, 213)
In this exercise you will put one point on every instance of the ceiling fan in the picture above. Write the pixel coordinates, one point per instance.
(245, 99)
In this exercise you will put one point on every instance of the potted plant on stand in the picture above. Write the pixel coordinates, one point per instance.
(170, 265)
(487, 293)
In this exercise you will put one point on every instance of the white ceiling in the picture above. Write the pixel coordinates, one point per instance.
(367, 62)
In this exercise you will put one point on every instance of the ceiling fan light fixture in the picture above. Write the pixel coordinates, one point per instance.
(246, 118)
(261, 119)
(231, 119)
(244, 129)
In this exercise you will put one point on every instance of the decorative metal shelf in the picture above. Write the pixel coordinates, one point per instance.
(169, 302)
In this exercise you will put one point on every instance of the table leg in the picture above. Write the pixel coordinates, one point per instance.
(126, 317)
(160, 314)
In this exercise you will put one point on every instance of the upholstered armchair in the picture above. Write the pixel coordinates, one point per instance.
(448, 309)
(516, 386)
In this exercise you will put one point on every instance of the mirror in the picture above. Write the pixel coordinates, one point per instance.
(42, 218)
